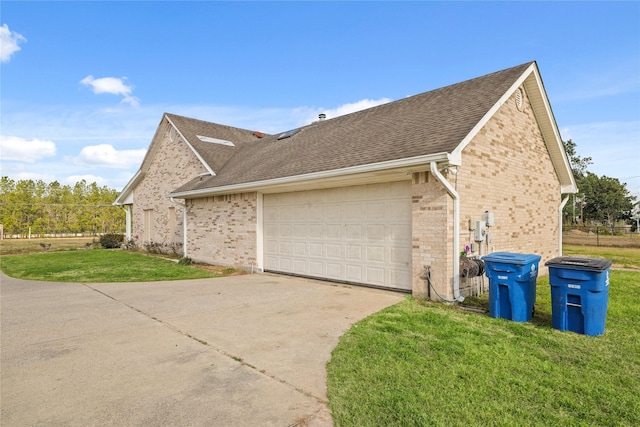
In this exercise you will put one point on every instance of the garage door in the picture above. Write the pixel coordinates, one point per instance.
(358, 234)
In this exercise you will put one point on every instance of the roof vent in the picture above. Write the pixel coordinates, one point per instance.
(519, 99)
(322, 116)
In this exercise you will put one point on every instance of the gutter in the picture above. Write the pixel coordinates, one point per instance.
(562, 205)
(456, 229)
(259, 185)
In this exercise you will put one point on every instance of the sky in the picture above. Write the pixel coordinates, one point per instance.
(84, 84)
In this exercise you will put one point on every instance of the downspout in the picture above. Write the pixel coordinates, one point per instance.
(456, 229)
(564, 202)
(184, 224)
(127, 220)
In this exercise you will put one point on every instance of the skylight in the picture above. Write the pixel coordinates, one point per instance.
(215, 140)
(289, 133)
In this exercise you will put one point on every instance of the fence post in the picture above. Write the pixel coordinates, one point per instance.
(597, 236)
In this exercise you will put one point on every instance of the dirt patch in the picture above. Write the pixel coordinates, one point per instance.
(220, 270)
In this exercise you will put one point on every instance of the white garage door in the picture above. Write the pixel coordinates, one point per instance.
(359, 234)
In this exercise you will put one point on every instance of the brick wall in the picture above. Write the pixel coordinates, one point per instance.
(173, 164)
(221, 230)
(432, 210)
(506, 169)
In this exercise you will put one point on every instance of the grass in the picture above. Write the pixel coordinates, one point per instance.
(419, 363)
(97, 265)
(621, 257)
(26, 246)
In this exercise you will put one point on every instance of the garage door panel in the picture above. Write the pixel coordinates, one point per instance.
(300, 231)
(353, 252)
(376, 275)
(316, 231)
(300, 266)
(315, 249)
(353, 231)
(300, 249)
(357, 234)
(334, 251)
(354, 273)
(375, 210)
(334, 231)
(284, 248)
(376, 232)
(376, 253)
(334, 271)
(400, 232)
(399, 255)
(316, 268)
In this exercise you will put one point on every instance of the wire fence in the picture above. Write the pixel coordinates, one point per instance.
(600, 235)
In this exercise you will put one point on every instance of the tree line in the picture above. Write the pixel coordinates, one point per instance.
(600, 199)
(29, 208)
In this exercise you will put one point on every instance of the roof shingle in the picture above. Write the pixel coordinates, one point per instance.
(429, 123)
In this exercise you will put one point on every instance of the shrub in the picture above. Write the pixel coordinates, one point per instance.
(111, 240)
(130, 245)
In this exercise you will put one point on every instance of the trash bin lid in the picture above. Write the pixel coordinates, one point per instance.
(512, 258)
(580, 263)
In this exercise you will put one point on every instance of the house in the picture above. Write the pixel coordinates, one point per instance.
(376, 197)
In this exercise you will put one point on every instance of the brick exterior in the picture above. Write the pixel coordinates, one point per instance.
(432, 210)
(173, 164)
(506, 169)
(221, 230)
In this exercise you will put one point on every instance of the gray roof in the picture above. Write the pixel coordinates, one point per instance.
(432, 122)
(214, 155)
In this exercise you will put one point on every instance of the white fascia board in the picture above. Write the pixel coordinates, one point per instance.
(422, 161)
(566, 188)
(126, 195)
(186, 141)
(552, 139)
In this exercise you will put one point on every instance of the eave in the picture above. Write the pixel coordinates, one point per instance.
(384, 171)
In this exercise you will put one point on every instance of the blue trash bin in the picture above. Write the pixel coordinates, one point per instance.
(579, 294)
(512, 284)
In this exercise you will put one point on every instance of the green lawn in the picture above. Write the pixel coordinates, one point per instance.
(97, 265)
(419, 363)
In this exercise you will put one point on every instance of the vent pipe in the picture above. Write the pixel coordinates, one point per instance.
(322, 116)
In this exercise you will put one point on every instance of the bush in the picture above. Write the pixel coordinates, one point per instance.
(112, 240)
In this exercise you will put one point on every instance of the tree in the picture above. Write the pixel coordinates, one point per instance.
(50, 209)
(606, 199)
(579, 166)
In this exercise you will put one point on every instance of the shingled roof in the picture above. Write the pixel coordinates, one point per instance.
(198, 134)
(428, 123)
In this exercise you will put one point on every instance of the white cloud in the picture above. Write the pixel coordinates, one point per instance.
(73, 179)
(25, 150)
(112, 85)
(105, 155)
(9, 42)
(355, 106)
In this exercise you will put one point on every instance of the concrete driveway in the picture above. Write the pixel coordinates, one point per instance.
(238, 351)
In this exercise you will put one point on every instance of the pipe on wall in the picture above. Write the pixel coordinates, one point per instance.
(456, 229)
(562, 204)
